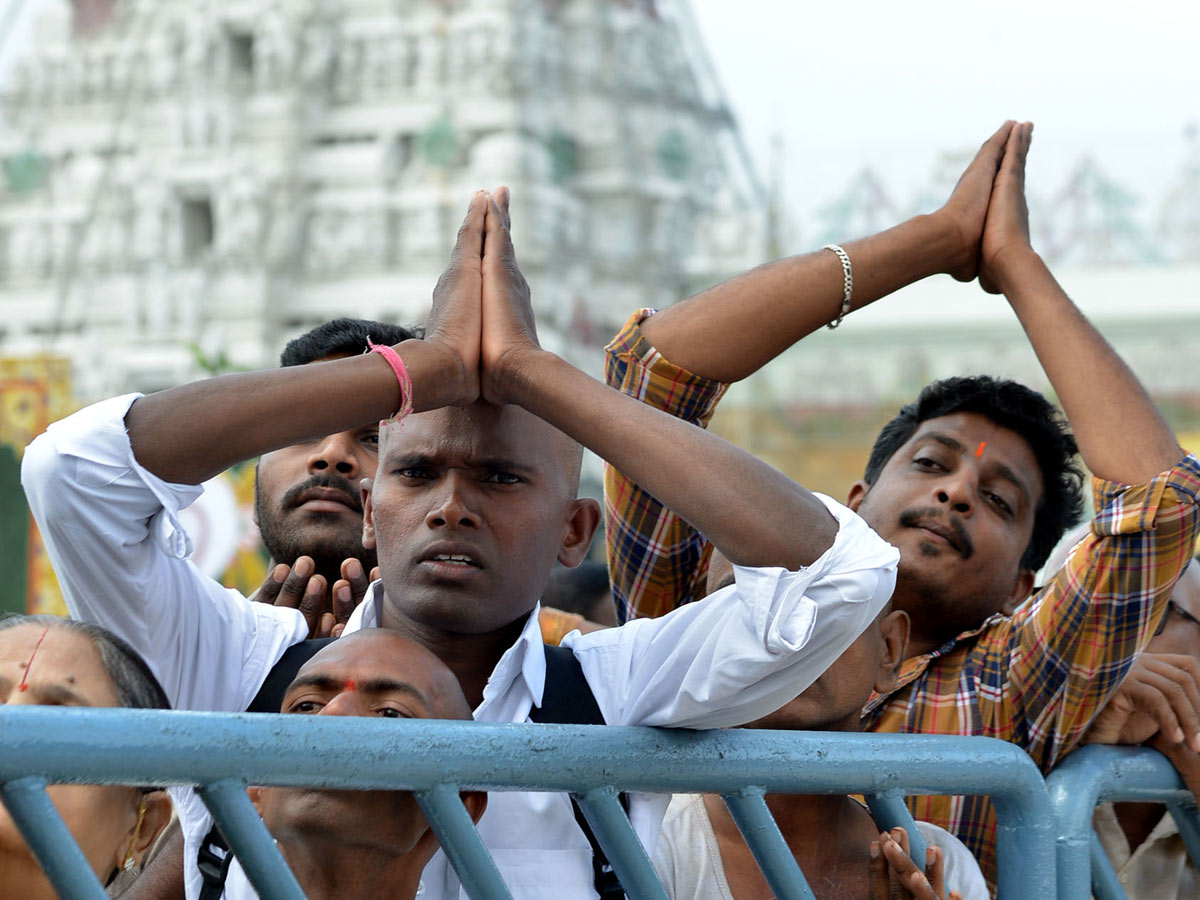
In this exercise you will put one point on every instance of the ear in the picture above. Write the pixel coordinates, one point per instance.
(858, 492)
(475, 802)
(1020, 592)
(364, 495)
(427, 844)
(582, 522)
(893, 629)
(139, 839)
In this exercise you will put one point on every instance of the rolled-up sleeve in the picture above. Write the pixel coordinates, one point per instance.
(744, 651)
(114, 537)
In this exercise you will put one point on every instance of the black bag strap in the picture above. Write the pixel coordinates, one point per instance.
(567, 699)
(213, 860)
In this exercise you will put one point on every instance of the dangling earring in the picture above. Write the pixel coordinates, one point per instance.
(130, 863)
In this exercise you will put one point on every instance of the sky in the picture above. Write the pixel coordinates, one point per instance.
(894, 85)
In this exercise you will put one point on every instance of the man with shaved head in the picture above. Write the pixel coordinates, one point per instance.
(359, 845)
(472, 504)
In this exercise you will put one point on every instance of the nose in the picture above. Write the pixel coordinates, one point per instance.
(957, 490)
(338, 453)
(454, 506)
(344, 703)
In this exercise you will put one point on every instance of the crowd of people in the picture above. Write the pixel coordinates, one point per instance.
(420, 506)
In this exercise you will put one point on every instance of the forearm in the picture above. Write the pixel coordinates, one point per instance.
(732, 330)
(190, 433)
(1122, 437)
(754, 514)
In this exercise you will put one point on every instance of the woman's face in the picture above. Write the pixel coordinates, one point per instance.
(56, 667)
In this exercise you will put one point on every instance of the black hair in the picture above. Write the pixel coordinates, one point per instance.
(1019, 409)
(579, 589)
(136, 686)
(343, 337)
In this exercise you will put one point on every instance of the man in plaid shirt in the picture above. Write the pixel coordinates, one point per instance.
(974, 483)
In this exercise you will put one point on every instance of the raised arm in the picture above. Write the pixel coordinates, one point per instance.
(1122, 437)
(190, 433)
(732, 330)
(756, 515)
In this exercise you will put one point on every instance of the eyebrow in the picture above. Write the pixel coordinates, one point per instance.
(52, 693)
(366, 686)
(492, 463)
(1001, 469)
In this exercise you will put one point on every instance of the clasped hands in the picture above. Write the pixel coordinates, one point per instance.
(481, 322)
(986, 219)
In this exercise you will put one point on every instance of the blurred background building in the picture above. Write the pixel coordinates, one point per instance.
(186, 185)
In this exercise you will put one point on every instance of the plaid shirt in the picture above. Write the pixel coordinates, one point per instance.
(1037, 678)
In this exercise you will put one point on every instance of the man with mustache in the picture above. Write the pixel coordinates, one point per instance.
(474, 499)
(974, 482)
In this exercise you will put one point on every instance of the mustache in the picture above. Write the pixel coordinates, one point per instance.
(325, 480)
(913, 518)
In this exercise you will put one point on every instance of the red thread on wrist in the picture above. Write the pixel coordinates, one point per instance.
(403, 379)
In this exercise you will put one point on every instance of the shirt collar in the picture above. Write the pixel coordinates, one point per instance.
(524, 663)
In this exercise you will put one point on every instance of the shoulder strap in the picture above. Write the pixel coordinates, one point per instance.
(270, 696)
(213, 857)
(567, 699)
(213, 860)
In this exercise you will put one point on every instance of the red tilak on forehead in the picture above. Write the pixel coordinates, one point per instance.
(23, 686)
(979, 452)
(351, 685)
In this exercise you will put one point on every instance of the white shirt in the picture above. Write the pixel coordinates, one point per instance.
(688, 857)
(113, 535)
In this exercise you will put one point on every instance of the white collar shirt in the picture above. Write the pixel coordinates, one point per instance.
(113, 534)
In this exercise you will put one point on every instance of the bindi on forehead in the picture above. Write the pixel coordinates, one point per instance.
(351, 685)
(981, 448)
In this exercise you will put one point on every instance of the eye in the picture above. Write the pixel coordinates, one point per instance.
(498, 477)
(308, 707)
(389, 712)
(999, 502)
(371, 437)
(928, 463)
(415, 473)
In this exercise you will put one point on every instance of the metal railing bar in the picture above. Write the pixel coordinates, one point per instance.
(464, 848)
(154, 747)
(610, 824)
(890, 811)
(249, 839)
(1105, 883)
(1091, 775)
(48, 836)
(748, 807)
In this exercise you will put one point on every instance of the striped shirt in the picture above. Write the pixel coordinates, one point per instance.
(1036, 678)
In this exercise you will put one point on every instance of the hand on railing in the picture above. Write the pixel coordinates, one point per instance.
(1159, 696)
(894, 876)
(299, 587)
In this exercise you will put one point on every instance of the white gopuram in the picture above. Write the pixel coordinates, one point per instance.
(189, 184)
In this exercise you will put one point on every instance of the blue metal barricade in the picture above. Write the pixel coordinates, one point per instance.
(1097, 774)
(224, 753)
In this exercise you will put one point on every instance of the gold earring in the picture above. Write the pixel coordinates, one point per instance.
(130, 863)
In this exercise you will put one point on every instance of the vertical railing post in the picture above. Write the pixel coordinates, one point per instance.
(49, 838)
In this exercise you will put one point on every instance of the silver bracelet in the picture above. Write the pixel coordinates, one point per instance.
(847, 283)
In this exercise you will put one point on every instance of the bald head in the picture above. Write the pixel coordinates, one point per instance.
(372, 670)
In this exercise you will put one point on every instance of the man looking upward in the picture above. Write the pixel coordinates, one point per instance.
(974, 482)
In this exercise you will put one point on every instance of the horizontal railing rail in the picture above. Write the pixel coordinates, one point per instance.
(1097, 774)
(222, 753)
